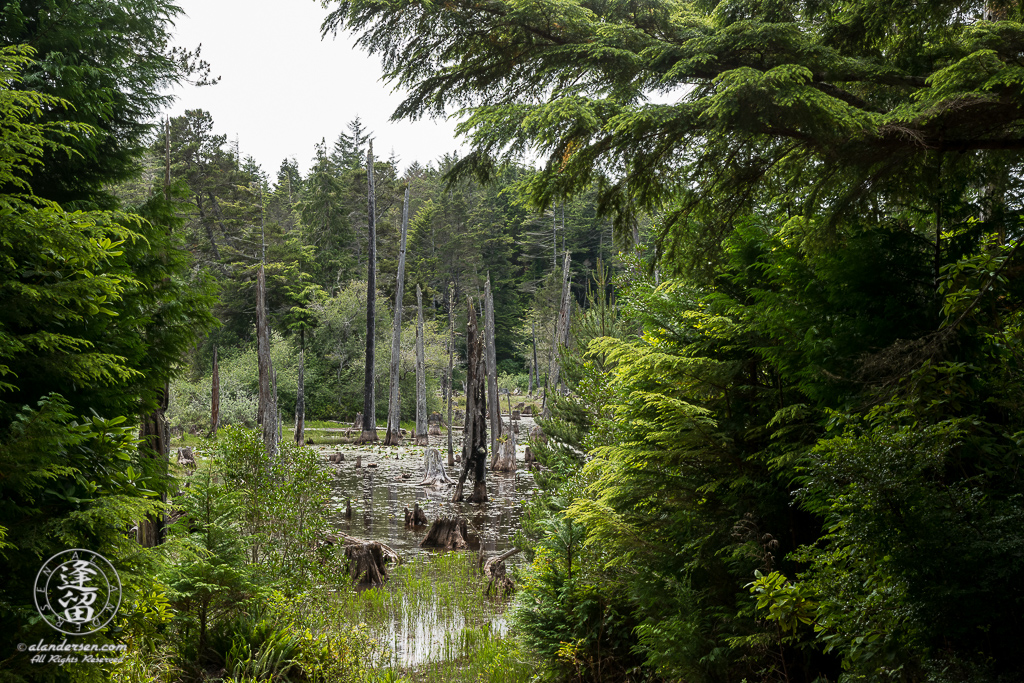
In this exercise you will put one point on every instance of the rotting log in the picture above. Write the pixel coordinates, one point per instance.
(448, 533)
(366, 563)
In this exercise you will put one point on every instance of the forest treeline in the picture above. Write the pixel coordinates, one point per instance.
(788, 447)
(310, 231)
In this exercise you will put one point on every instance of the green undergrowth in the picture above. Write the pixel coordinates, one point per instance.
(245, 590)
(433, 623)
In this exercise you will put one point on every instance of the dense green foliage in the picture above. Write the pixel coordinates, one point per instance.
(97, 310)
(811, 473)
(788, 446)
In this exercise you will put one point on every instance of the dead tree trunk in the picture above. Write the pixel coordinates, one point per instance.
(448, 533)
(474, 441)
(266, 413)
(421, 376)
(215, 396)
(561, 334)
(433, 469)
(155, 444)
(536, 368)
(300, 393)
(393, 437)
(451, 368)
(369, 426)
(490, 362)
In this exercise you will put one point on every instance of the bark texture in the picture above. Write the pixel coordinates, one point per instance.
(416, 516)
(393, 437)
(367, 560)
(494, 569)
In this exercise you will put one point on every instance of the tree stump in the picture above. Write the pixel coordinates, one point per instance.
(448, 533)
(528, 410)
(528, 455)
(359, 460)
(434, 430)
(433, 469)
(537, 435)
(506, 461)
(366, 563)
(516, 414)
(348, 508)
(416, 516)
(358, 424)
(494, 569)
(185, 458)
(367, 560)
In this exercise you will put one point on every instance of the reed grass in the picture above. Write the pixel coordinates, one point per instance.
(430, 623)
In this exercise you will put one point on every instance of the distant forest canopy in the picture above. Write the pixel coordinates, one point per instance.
(311, 230)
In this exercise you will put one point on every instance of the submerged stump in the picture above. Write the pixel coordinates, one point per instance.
(433, 469)
(506, 460)
(448, 533)
(494, 569)
(367, 560)
(416, 516)
(366, 563)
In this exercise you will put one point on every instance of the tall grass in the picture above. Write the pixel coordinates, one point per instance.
(430, 622)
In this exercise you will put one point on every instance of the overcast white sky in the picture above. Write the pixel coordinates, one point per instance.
(282, 88)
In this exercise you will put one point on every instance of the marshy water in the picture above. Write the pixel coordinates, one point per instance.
(432, 612)
(388, 481)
